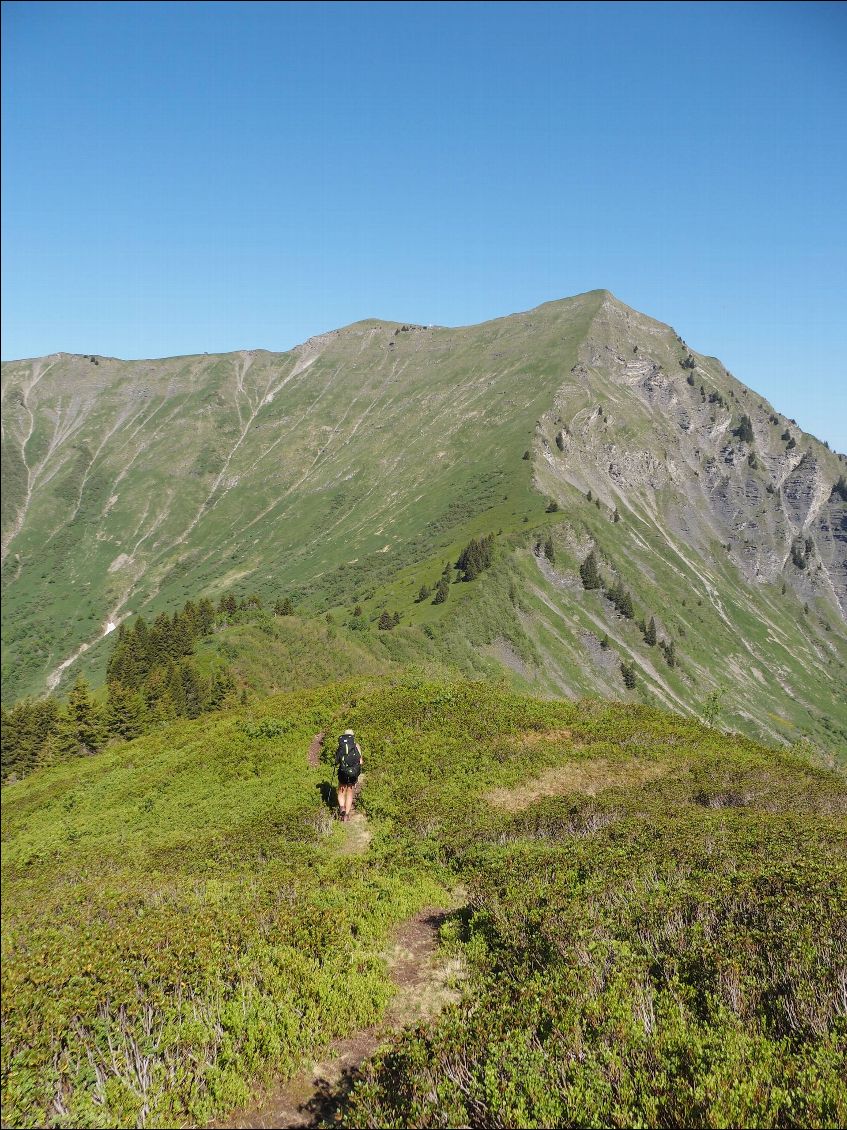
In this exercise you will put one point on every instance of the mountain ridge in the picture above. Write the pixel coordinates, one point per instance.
(368, 322)
(342, 470)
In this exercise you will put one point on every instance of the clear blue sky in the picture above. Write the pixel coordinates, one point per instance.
(190, 177)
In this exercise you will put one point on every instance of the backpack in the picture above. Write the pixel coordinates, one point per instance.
(347, 756)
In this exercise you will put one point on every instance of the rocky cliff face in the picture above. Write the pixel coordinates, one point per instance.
(647, 424)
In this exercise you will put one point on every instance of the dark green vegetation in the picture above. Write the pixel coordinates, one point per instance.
(152, 677)
(655, 929)
(349, 472)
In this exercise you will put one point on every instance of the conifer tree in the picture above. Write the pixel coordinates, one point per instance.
(386, 621)
(161, 642)
(181, 641)
(81, 727)
(205, 618)
(628, 673)
(626, 607)
(222, 688)
(191, 688)
(549, 550)
(175, 689)
(423, 593)
(589, 572)
(744, 431)
(650, 633)
(191, 616)
(160, 704)
(442, 591)
(284, 607)
(126, 712)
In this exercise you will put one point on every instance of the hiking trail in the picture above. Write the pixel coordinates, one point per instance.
(424, 983)
(317, 1093)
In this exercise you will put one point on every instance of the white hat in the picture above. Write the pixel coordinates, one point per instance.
(348, 732)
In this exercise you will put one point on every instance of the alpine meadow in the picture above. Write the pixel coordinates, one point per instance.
(582, 596)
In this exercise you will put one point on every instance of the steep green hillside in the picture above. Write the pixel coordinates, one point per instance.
(324, 470)
(349, 472)
(653, 928)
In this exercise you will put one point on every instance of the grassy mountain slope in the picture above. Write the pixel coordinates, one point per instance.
(350, 470)
(653, 930)
(325, 470)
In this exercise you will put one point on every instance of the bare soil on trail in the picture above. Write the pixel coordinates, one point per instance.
(315, 1095)
(357, 835)
(314, 754)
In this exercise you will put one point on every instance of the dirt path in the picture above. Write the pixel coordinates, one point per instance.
(424, 985)
(315, 748)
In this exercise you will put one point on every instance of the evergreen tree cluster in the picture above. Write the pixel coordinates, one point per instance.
(27, 729)
(716, 397)
(36, 733)
(442, 590)
(801, 551)
(387, 620)
(590, 573)
(628, 673)
(477, 555)
(840, 489)
(744, 431)
(152, 676)
(621, 598)
(669, 649)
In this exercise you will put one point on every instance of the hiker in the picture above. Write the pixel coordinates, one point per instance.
(348, 759)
